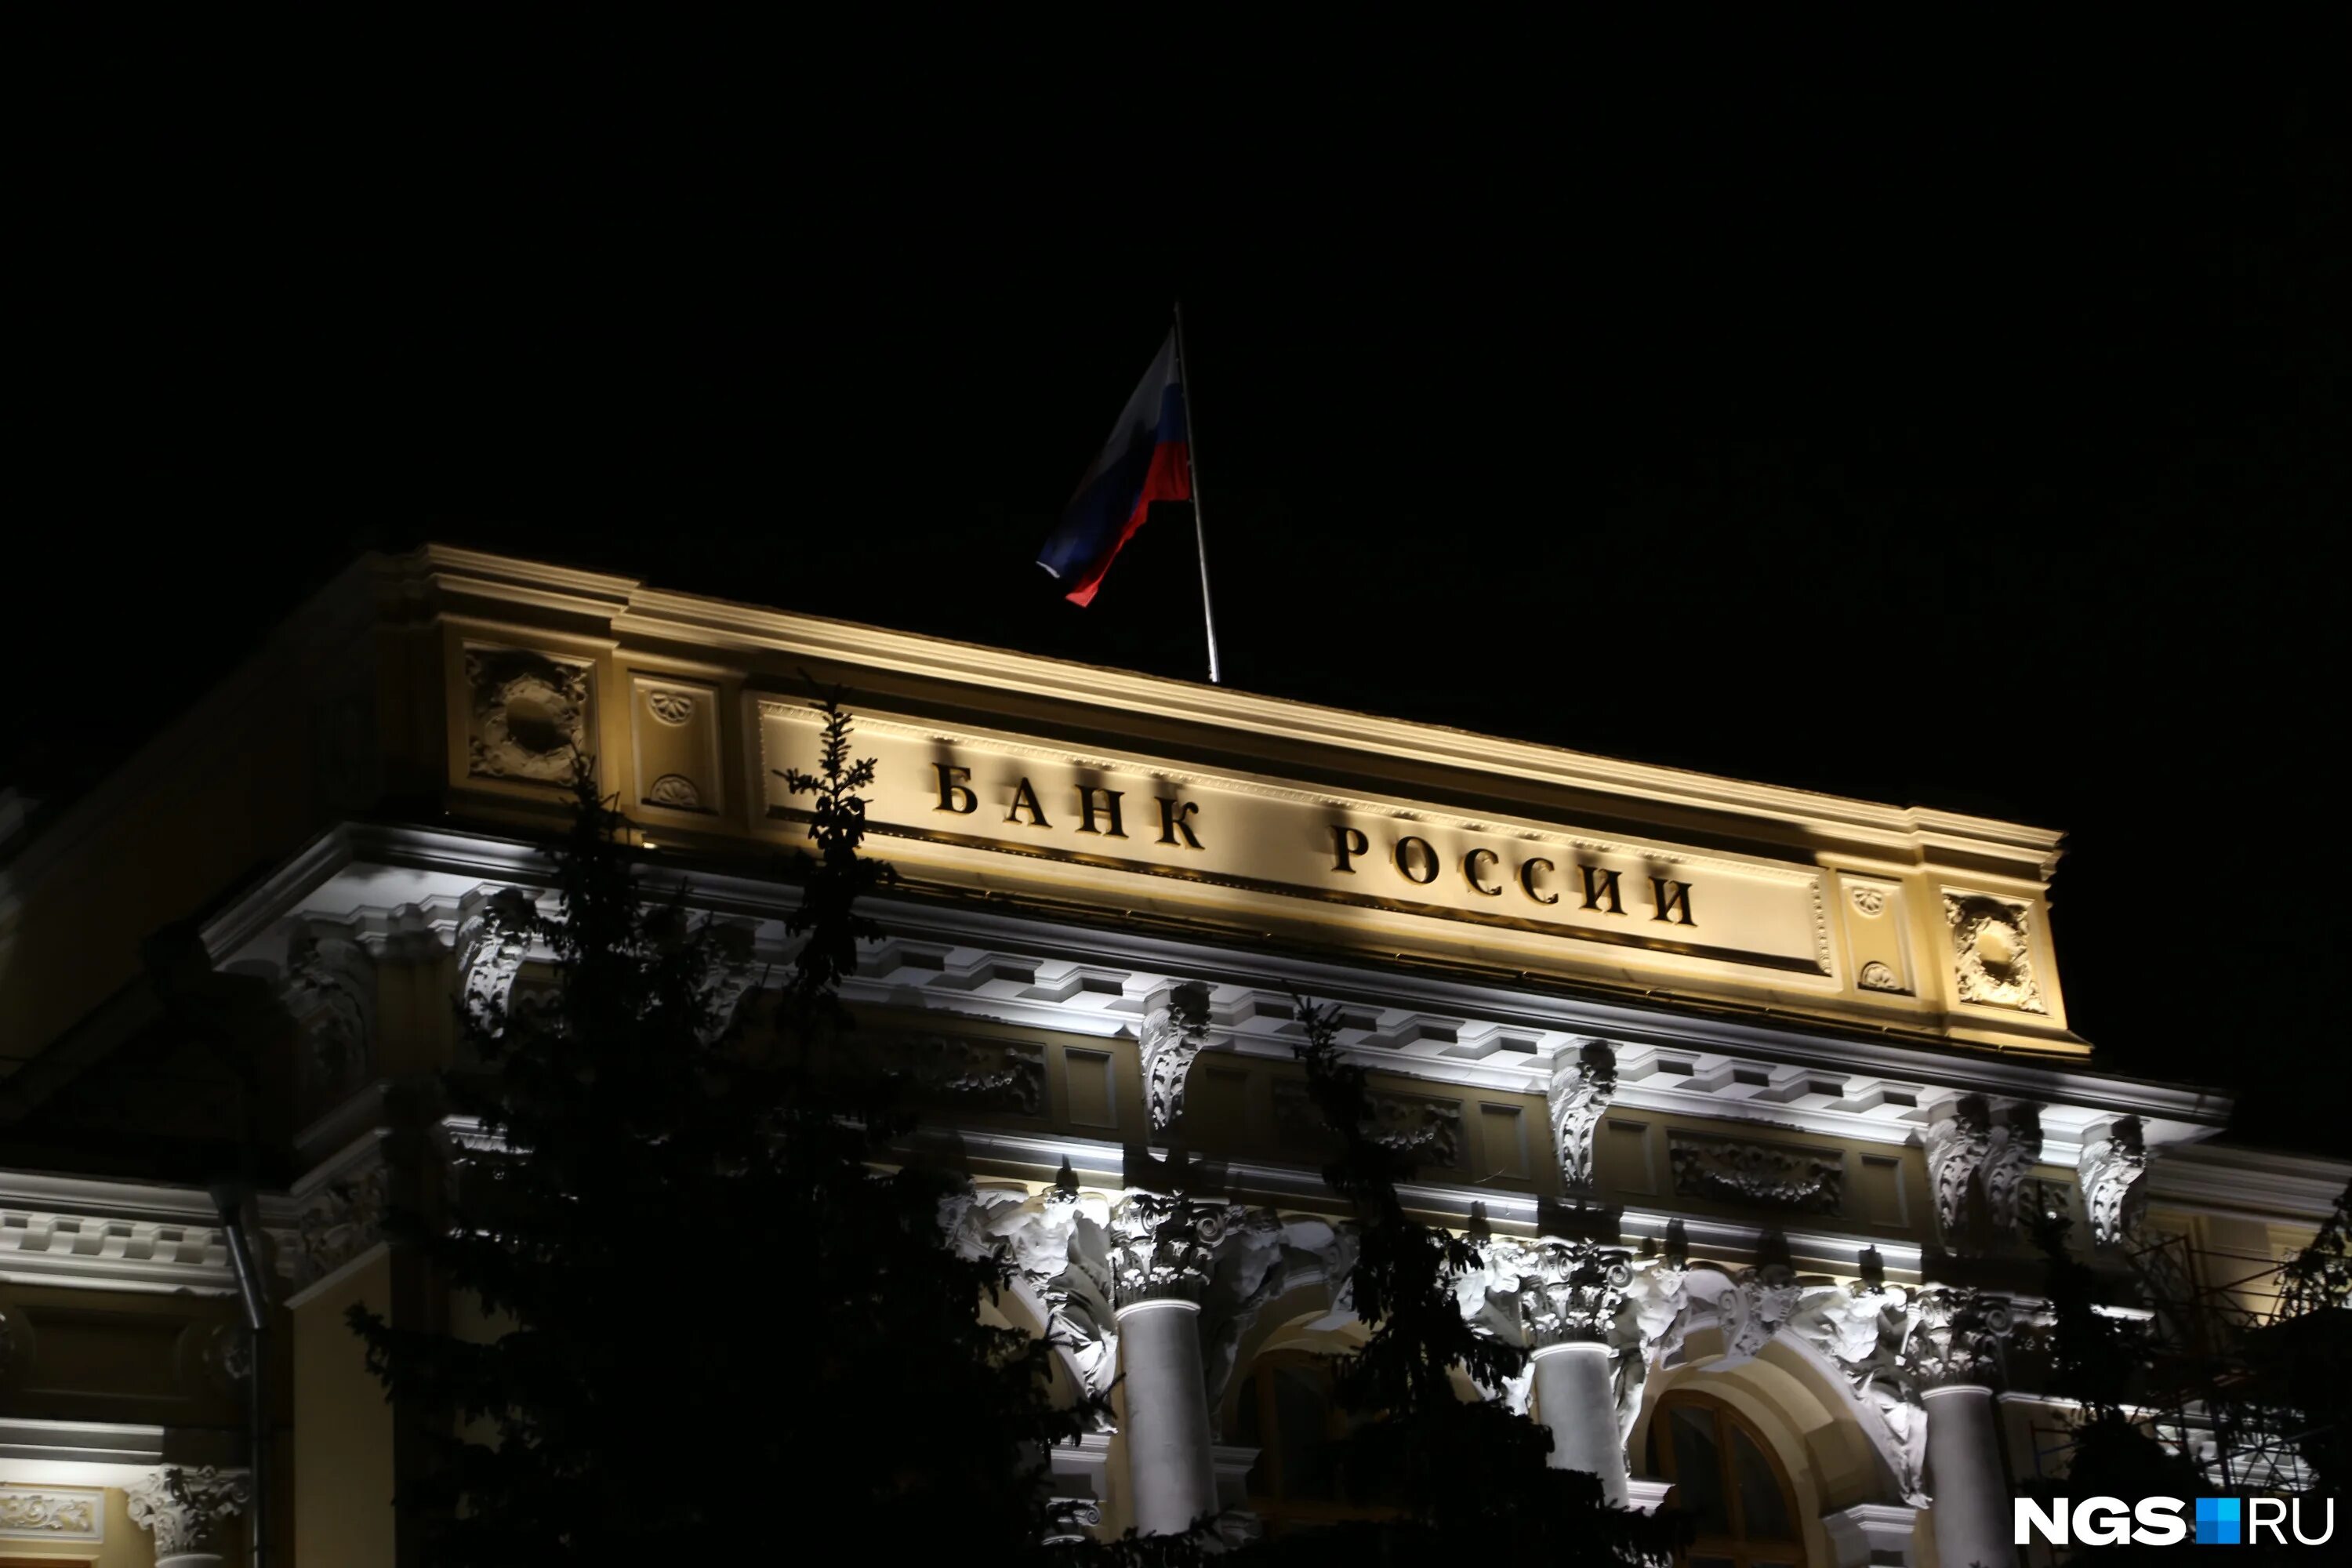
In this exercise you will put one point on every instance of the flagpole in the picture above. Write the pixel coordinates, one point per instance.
(1192, 463)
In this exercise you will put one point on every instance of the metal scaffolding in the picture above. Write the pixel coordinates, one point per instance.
(2217, 1392)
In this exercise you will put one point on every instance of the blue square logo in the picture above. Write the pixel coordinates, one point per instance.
(2217, 1521)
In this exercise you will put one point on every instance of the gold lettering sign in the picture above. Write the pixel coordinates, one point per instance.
(968, 802)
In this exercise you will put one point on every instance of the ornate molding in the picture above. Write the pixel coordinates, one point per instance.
(675, 791)
(1762, 1176)
(1759, 1302)
(52, 1513)
(1582, 1087)
(1861, 1328)
(1086, 1254)
(669, 704)
(339, 1221)
(529, 714)
(1869, 901)
(329, 992)
(985, 1074)
(1976, 1146)
(1992, 951)
(493, 939)
(1175, 1029)
(187, 1508)
(1877, 976)
(1956, 1144)
(2111, 1174)
(2007, 1168)
(1427, 1130)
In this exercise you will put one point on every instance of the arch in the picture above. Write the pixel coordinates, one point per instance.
(1753, 1512)
(1303, 1317)
(1802, 1417)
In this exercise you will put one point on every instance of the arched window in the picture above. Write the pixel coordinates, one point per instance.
(1727, 1477)
(1285, 1410)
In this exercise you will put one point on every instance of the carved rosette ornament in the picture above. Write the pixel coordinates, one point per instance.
(1174, 1029)
(1992, 951)
(186, 1509)
(2109, 1174)
(530, 715)
(1582, 1086)
(1957, 1338)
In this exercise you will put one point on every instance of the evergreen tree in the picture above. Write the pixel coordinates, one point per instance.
(719, 1286)
(2101, 1363)
(1459, 1475)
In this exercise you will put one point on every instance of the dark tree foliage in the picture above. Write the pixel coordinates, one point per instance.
(726, 1324)
(2291, 1375)
(2101, 1363)
(1456, 1474)
(2306, 1354)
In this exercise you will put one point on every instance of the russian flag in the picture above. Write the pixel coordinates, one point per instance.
(1146, 460)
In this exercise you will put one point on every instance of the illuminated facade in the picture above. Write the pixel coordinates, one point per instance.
(1796, 1068)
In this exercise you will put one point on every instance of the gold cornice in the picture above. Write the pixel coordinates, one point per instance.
(637, 610)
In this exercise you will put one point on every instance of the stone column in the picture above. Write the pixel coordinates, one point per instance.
(1170, 1468)
(1168, 1255)
(1577, 1403)
(186, 1510)
(1570, 1291)
(1956, 1352)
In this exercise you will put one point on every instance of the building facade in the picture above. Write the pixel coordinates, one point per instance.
(1751, 1095)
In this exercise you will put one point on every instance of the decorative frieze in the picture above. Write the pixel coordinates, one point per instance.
(1175, 1029)
(188, 1510)
(1992, 951)
(1582, 1084)
(1428, 1130)
(2110, 1174)
(1759, 1175)
(52, 1513)
(981, 1074)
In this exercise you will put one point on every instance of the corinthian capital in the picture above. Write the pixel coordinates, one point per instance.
(1175, 1028)
(1582, 1086)
(1956, 1337)
(187, 1508)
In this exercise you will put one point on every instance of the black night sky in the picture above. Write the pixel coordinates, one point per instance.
(1957, 435)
